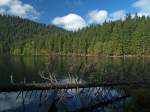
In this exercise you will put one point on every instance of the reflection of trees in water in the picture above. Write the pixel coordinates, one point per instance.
(104, 69)
(87, 99)
(107, 69)
(100, 98)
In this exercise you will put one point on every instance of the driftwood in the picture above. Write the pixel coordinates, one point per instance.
(47, 86)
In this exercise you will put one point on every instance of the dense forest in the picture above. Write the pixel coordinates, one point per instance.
(115, 38)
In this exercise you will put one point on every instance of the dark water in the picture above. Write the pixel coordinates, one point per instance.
(105, 70)
(116, 69)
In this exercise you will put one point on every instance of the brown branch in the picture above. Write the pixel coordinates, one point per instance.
(46, 86)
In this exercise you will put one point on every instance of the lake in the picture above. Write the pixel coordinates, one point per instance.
(28, 69)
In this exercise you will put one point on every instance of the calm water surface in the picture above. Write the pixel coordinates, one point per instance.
(116, 69)
(105, 70)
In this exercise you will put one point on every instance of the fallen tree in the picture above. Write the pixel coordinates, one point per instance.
(47, 86)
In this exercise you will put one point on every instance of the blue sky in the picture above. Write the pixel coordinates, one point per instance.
(74, 14)
(50, 9)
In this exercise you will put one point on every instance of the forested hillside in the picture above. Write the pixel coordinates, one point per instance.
(16, 31)
(24, 37)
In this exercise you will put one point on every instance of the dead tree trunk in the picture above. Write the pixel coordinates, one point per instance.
(46, 86)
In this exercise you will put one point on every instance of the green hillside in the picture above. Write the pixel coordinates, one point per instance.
(23, 37)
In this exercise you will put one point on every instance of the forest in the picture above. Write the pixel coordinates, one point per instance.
(129, 37)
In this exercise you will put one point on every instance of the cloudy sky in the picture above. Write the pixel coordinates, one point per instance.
(74, 14)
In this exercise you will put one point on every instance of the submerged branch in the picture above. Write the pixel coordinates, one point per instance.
(46, 86)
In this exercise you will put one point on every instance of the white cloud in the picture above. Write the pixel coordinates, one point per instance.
(118, 15)
(4, 2)
(97, 16)
(100, 16)
(18, 8)
(74, 22)
(71, 22)
(143, 6)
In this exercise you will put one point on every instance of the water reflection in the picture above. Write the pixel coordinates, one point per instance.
(68, 100)
(104, 70)
(107, 69)
(31, 101)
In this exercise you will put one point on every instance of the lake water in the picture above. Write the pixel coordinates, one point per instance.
(28, 69)
(116, 69)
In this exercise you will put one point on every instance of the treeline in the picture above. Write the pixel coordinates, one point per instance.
(24, 37)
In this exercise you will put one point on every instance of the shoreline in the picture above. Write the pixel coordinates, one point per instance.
(83, 55)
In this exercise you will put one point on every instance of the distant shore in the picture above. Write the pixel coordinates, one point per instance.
(86, 55)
